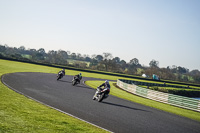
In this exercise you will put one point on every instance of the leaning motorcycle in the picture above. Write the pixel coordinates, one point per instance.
(75, 81)
(99, 96)
(60, 75)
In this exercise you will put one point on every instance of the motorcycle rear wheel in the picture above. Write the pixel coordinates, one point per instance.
(101, 97)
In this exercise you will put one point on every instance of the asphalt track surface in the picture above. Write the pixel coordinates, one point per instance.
(114, 114)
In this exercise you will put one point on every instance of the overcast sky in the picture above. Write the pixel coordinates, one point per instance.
(167, 31)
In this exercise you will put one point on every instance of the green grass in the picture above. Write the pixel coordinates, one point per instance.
(165, 107)
(20, 114)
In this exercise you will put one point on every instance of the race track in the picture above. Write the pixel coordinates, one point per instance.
(115, 114)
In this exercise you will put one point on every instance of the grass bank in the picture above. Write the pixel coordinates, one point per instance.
(165, 107)
(20, 114)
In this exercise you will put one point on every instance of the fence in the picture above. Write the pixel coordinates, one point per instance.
(175, 100)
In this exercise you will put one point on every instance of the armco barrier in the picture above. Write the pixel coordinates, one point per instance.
(199, 106)
(175, 100)
(181, 101)
(158, 96)
(141, 91)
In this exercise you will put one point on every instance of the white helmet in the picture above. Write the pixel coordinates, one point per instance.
(107, 82)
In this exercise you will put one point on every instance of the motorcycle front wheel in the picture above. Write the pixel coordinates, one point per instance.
(74, 82)
(59, 77)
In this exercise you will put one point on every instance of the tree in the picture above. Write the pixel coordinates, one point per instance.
(107, 57)
(133, 65)
(116, 60)
(88, 59)
(73, 55)
(174, 68)
(99, 58)
(182, 70)
(93, 56)
(52, 56)
(154, 63)
(195, 72)
(78, 56)
(123, 64)
(93, 63)
(2, 48)
(134, 62)
(21, 48)
(68, 52)
(41, 51)
(38, 56)
(32, 50)
(195, 75)
(63, 54)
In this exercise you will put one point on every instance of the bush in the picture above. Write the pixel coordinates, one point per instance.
(177, 91)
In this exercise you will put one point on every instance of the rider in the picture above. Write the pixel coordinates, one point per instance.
(63, 72)
(79, 77)
(106, 88)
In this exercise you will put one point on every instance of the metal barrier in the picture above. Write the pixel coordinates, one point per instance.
(175, 100)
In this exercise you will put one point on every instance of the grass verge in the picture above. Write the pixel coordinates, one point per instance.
(147, 102)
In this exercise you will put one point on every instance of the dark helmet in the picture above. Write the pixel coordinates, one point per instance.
(107, 82)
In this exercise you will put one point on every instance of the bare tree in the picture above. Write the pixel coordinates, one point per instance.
(107, 56)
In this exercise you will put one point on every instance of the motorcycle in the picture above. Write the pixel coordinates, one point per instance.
(99, 95)
(60, 75)
(75, 81)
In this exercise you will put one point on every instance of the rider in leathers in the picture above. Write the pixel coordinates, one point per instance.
(106, 86)
(61, 72)
(79, 77)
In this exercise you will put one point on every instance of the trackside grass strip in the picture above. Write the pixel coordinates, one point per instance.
(147, 102)
(19, 114)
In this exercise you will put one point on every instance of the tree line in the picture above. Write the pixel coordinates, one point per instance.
(104, 62)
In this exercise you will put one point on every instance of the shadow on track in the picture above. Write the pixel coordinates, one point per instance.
(81, 86)
(64, 81)
(123, 106)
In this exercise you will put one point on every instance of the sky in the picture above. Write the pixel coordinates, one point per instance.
(167, 31)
